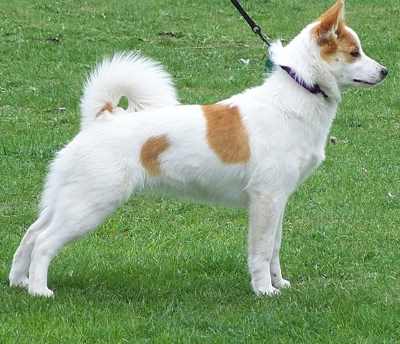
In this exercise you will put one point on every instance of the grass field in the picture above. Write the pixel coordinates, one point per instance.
(167, 271)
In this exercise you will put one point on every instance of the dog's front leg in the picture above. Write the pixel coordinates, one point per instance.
(276, 275)
(264, 217)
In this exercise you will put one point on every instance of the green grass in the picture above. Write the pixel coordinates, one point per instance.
(165, 271)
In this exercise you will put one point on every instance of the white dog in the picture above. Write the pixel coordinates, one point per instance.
(251, 150)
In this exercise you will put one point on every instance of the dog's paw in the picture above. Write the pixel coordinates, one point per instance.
(281, 284)
(265, 290)
(268, 292)
(22, 282)
(45, 292)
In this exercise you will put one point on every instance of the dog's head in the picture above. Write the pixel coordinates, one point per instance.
(340, 49)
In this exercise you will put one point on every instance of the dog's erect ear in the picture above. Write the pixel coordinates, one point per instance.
(331, 22)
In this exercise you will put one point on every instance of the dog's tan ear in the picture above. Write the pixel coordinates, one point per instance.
(331, 22)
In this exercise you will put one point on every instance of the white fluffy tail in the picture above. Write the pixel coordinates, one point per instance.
(143, 81)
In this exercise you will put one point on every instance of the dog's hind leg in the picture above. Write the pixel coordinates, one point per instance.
(18, 276)
(70, 221)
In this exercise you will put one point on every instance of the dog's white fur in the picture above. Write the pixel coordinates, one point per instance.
(287, 128)
(144, 82)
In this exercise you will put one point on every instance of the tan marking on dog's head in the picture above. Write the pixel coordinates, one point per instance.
(226, 133)
(150, 153)
(333, 37)
(107, 107)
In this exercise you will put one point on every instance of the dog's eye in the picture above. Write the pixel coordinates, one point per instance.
(355, 53)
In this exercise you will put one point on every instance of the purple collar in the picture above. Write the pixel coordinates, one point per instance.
(314, 89)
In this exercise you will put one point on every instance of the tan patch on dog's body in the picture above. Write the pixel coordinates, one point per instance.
(107, 107)
(333, 37)
(150, 153)
(226, 134)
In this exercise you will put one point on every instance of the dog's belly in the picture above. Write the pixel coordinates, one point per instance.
(216, 191)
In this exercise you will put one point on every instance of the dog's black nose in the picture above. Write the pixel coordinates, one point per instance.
(384, 72)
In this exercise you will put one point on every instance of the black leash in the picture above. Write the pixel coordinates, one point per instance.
(269, 65)
(253, 25)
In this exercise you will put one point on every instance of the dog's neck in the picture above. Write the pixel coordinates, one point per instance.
(303, 59)
(314, 89)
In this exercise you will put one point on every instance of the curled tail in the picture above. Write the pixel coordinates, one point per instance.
(142, 81)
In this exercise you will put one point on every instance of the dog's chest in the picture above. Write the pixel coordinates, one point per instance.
(309, 162)
(310, 142)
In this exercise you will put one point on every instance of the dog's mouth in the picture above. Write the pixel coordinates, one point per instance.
(365, 82)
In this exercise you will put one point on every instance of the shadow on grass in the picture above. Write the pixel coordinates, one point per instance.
(145, 284)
